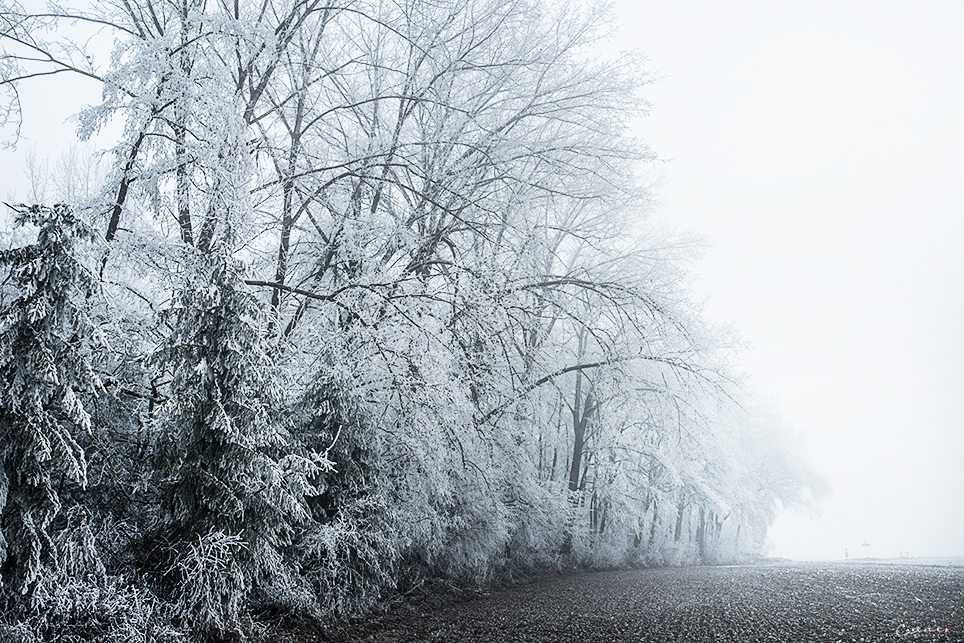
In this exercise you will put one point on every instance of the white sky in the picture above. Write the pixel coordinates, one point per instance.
(821, 147)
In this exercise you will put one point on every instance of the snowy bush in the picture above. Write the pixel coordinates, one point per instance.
(348, 563)
(211, 583)
(78, 612)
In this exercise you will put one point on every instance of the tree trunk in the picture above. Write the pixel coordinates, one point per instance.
(701, 535)
(580, 420)
(653, 525)
(182, 172)
(679, 523)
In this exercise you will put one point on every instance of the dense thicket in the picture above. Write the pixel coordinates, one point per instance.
(367, 295)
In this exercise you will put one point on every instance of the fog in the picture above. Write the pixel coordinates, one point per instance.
(820, 147)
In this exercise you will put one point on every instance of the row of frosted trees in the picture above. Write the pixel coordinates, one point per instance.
(367, 295)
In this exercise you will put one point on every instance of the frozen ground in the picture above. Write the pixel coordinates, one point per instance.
(865, 601)
(931, 561)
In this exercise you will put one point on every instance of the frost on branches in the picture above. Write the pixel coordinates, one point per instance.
(366, 296)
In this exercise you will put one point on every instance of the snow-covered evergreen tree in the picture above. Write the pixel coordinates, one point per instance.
(46, 341)
(236, 491)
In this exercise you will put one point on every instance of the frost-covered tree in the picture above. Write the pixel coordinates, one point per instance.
(231, 481)
(47, 338)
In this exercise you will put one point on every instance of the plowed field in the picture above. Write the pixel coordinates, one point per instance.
(743, 604)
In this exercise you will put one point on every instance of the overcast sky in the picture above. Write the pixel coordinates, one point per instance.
(821, 147)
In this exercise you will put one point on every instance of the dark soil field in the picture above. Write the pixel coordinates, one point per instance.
(776, 602)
